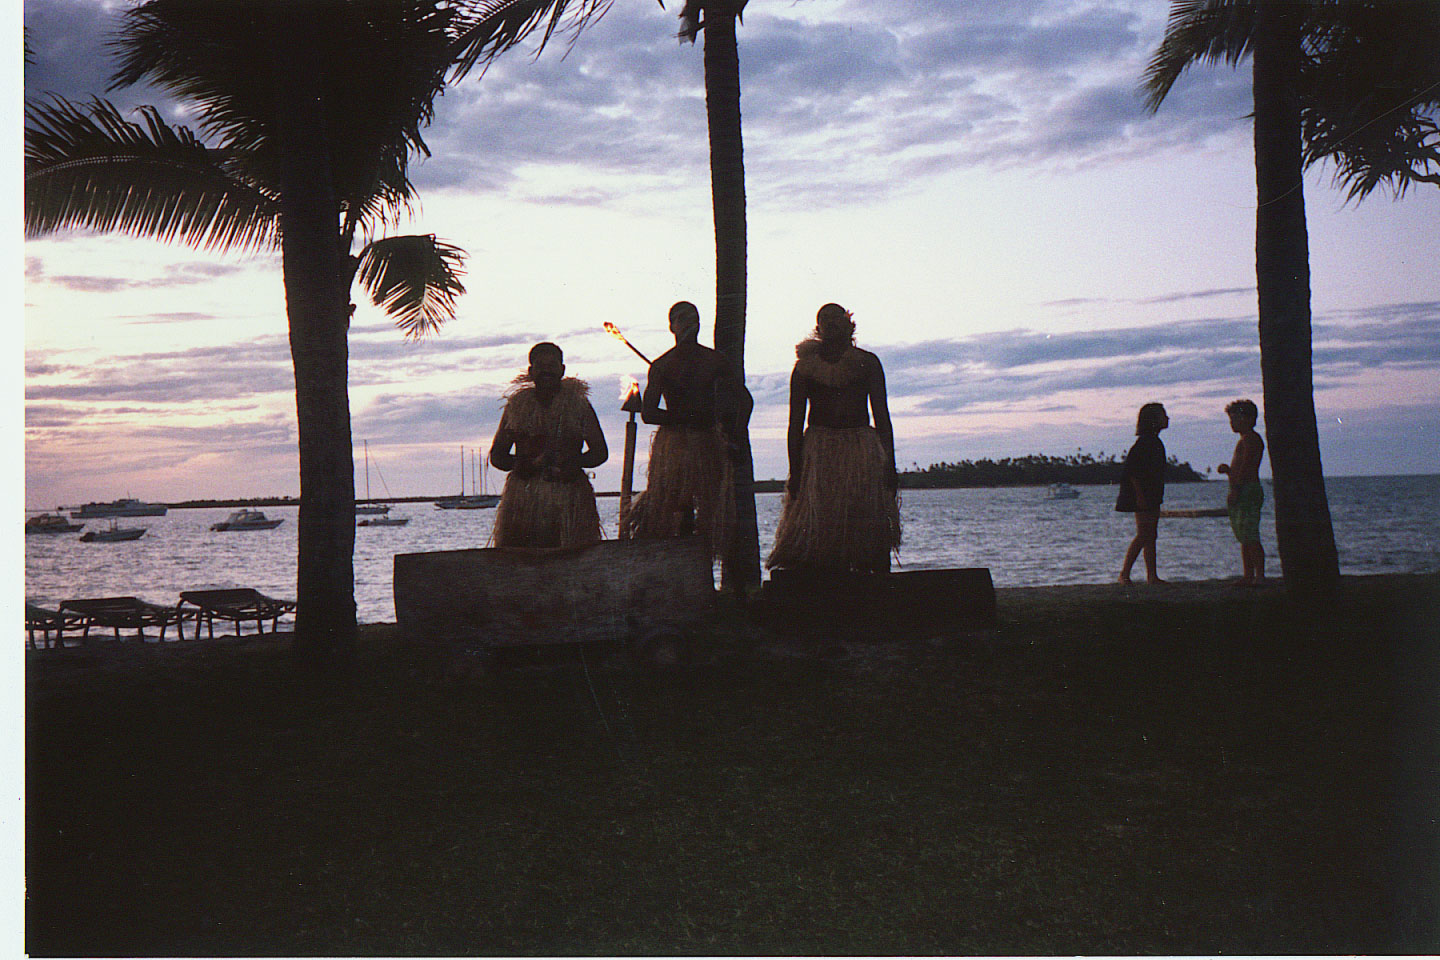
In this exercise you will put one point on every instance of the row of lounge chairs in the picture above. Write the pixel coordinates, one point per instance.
(200, 607)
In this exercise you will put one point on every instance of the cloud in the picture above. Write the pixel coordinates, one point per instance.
(83, 284)
(173, 275)
(956, 376)
(175, 316)
(1197, 295)
(207, 373)
(845, 100)
(840, 100)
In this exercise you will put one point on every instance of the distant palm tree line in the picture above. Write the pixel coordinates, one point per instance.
(1035, 469)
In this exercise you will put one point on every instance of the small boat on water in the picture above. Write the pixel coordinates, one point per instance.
(382, 522)
(124, 507)
(113, 534)
(370, 507)
(1061, 491)
(472, 501)
(478, 501)
(247, 520)
(51, 523)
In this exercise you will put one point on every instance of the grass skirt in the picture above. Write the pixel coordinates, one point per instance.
(535, 512)
(689, 488)
(842, 514)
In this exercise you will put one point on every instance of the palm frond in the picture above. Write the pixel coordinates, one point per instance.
(88, 167)
(487, 28)
(415, 279)
(1198, 31)
(694, 14)
(379, 67)
(1370, 96)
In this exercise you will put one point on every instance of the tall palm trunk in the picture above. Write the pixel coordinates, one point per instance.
(1282, 270)
(740, 567)
(316, 304)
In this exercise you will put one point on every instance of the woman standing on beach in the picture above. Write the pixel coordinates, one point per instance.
(1142, 487)
(841, 509)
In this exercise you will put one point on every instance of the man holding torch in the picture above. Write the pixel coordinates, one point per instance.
(699, 408)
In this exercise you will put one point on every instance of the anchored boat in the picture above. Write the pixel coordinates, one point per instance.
(113, 534)
(474, 501)
(51, 523)
(382, 522)
(247, 520)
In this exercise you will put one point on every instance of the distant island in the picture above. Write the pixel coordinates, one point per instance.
(1030, 471)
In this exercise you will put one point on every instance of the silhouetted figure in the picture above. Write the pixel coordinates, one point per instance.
(548, 437)
(1246, 496)
(842, 506)
(689, 486)
(1142, 488)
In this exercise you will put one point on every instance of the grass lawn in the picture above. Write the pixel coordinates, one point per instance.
(1180, 770)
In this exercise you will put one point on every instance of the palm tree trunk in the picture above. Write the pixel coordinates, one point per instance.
(1282, 270)
(316, 303)
(740, 567)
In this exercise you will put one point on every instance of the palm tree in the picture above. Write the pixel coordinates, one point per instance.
(505, 22)
(740, 568)
(310, 146)
(1309, 87)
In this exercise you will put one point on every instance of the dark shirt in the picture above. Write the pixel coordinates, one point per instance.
(1145, 463)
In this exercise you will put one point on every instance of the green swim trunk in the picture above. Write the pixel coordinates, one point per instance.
(1245, 513)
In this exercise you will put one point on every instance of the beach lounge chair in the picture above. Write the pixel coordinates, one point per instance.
(127, 612)
(38, 618)
(236, 605)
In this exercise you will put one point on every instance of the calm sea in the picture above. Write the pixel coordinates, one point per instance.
(1382, 525)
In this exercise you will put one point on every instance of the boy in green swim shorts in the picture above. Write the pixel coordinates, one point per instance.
(1246, 496)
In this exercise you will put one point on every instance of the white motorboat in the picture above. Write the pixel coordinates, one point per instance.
(1061, 491)
(247, 520)
(51, 523)
(114, 534)
(124, 507)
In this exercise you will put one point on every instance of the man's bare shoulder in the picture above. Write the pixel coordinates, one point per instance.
(872, 361)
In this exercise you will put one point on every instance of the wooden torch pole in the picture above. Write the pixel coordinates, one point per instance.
(627, 473)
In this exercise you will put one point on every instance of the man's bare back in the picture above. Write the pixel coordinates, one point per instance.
(686, 378)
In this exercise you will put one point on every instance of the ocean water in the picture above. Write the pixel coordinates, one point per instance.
(1382, 525)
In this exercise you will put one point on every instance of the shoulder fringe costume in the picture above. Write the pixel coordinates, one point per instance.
(843, 514)
(689, 488)
(533, 511)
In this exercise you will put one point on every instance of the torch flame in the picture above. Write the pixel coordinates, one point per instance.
(629, 386)
(614, 331)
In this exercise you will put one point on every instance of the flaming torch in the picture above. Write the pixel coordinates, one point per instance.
(614, 331)
(631, 405)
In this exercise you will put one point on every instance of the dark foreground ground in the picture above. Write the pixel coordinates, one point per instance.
(1189, 770)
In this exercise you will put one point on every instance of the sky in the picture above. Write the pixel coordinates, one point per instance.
(1031, 254)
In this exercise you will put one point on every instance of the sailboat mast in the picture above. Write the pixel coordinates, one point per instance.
(367, 470)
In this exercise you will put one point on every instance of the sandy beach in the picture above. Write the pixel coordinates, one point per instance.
(1178, 769)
